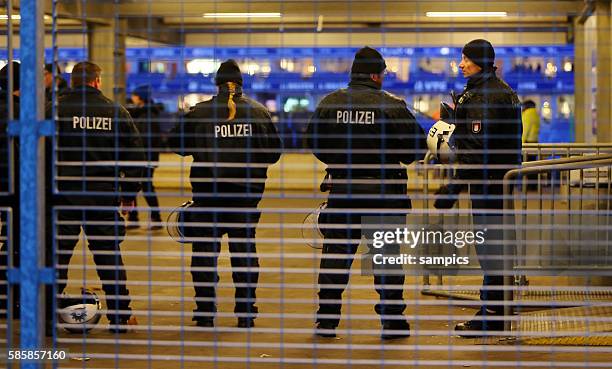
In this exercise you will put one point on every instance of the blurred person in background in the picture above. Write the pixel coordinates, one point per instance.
(531, 122)
(531, 134)
(146, 115)
(61, 83)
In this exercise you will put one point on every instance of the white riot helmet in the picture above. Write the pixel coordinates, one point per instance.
(176, 222)
(79, 313)
(439, 141)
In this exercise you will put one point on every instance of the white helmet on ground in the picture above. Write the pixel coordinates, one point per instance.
(79, 313)
(439, 141)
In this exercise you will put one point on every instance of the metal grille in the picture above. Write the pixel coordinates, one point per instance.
(136, 191)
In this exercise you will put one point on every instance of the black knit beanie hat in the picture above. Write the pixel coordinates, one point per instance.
(229, 71)
(481, 52)
(368, 61)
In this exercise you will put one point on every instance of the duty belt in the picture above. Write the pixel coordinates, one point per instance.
(388, 174)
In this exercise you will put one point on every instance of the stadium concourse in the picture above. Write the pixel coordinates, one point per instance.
(162, 295)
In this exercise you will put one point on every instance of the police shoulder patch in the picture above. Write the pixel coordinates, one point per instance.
(476, 126)
(465, 97)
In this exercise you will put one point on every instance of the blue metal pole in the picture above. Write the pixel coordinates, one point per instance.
(31, 188)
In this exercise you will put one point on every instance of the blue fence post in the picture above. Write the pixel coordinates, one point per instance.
(31, 189)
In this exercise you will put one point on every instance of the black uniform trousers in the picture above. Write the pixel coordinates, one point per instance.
(335, 271)
(105, 230)
(487, 211)
(207, 221)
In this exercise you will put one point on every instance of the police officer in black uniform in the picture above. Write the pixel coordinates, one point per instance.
(488, 143)
(233, 141)
(6, 199)
(100, 165)
(363, 134)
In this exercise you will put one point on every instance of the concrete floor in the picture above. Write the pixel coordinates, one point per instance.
(162, 295)
(160, 284)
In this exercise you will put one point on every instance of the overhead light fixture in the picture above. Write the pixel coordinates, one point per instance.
(18, 17)
(242, 15)
(13, 17)
(465, 14)
(320, 23)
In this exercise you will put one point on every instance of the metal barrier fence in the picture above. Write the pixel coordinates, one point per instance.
(559, 229)
(588, 255)
(552, 150)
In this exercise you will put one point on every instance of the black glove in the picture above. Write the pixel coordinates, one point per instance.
(447, 196)
(447, 113)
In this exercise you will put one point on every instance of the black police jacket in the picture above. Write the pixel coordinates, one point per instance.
(98, 148)
(365, 132)
(488, 129)
(229, 156)
(5, 158)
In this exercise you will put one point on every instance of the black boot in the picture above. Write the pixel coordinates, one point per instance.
(325, 329)
(133, 222)
(156, 222)
(246, 322)
(485, 321)
(392, 329)
(122, 325)
(205, 322)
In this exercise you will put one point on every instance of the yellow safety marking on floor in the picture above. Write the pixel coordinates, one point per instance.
(594, 321)
(569, 341)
